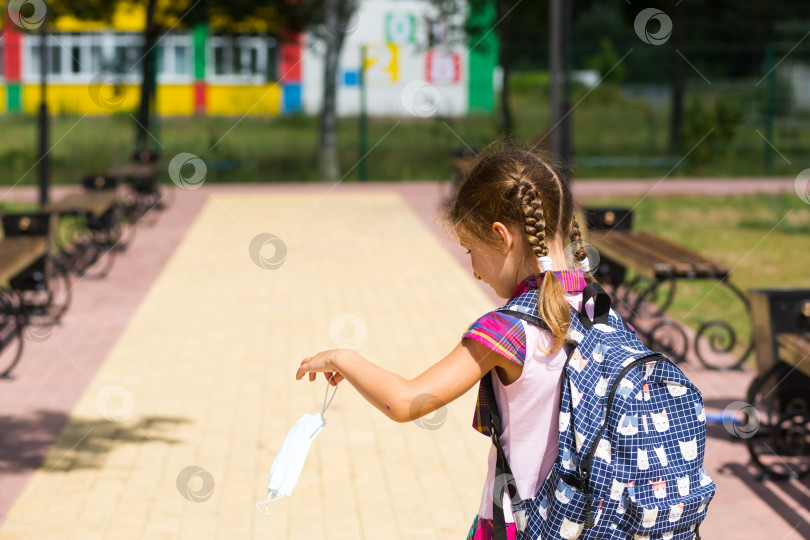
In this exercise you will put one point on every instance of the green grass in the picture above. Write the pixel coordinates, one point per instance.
(606, 125)
(762, 238)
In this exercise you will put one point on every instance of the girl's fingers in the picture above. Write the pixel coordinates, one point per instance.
(302, 370)
(307, 369)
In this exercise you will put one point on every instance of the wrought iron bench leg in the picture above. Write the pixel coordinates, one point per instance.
(721, 336)
(777, 423)
(11, 335)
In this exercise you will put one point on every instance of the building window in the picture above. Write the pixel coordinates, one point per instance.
(242, 59)
(79, 57)
(75, 63)
(175, 58)
(53, 59)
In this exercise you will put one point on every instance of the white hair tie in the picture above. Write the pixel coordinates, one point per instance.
(545, 263)
(585, 264)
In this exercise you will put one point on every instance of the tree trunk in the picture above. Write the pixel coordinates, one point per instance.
(506, 113)
(148, 77)
(337, 14)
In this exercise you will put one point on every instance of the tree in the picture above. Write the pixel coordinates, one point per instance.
(337, 18)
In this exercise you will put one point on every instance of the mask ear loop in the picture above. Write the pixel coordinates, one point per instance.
(325, 403)
(266, 503)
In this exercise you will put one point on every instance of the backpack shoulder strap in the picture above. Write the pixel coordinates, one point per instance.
(504, 480)
(533, 319)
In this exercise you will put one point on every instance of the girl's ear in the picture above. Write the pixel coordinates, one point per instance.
(507, 238)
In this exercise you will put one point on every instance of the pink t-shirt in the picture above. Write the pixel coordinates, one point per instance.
(529, 410)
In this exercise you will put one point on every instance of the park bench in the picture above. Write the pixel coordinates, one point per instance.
(89, 250)
(35, 288)
(781, 391)
(794, 350)
(141, 173)
(658, 264)
(98, 198)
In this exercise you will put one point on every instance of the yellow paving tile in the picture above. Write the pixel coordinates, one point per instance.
(200, 386)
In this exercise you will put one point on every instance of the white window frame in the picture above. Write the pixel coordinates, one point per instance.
(260, 44)
(166, 48)
(108, 42)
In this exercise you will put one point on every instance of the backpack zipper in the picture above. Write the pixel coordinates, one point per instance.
(587, 463)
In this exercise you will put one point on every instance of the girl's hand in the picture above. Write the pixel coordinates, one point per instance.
(324, 361)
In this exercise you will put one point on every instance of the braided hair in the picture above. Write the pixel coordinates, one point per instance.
(526, 190)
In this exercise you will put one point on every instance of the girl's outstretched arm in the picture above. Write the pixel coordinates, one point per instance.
(400, 399)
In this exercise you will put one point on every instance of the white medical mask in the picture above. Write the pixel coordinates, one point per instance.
(290, 460)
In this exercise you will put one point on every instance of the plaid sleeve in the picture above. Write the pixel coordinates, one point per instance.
(505, 335)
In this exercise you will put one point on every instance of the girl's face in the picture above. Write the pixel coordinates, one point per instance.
(502, 269)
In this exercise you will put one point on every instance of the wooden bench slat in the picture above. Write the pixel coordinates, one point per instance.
(608, 247)
(657, 256)
(654, 256)
(95, 203)
(134, 169)
(699, 261)
(18, 253)
(794, 349)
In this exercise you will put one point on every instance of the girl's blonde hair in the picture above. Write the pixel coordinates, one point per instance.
(525, 189)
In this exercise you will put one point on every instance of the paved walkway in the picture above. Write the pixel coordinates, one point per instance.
(184, 357)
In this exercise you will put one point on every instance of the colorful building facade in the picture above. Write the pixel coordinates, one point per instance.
(94, 68)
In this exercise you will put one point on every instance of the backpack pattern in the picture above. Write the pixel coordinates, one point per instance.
(632, 437)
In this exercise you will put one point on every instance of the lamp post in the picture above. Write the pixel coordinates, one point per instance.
(44, 165)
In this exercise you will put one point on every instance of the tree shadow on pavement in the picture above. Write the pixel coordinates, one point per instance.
(774, 492)
(78, 443)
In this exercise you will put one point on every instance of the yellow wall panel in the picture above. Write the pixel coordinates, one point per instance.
(175, 99)
(83, 98)
(3, 99)
(171, 99)
(230, 99)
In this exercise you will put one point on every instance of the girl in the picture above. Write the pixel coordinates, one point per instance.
(515, 215)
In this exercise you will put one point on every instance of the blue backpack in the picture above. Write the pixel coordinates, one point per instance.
(631, 443)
